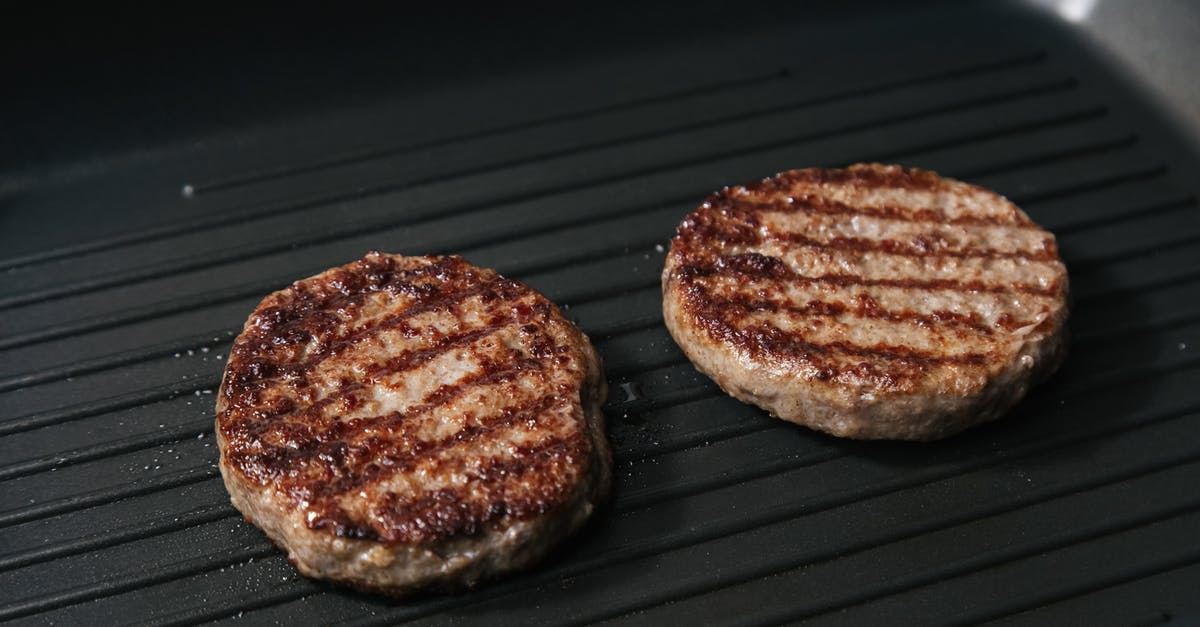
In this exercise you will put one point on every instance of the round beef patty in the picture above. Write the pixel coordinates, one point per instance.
(401, 422)
(872, 302)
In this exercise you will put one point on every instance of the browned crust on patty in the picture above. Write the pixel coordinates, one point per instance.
(870, 302)
(399, 422)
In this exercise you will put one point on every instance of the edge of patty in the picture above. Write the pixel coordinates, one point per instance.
(984, 394)
(888, 418)
(449, 562)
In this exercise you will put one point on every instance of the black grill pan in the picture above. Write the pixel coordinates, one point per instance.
(126, 277)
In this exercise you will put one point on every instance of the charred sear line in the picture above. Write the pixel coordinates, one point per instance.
(411, 360)
(509, 489)
(250, 369)
(925, 247)
(766, 338)
(491, 372)
(858, 176)
(728, 223)
(484, 376)
(377, 458)
(760, 266)
(317, 465)
(286, 445)
(862, 306)
(287, 323)
(306, 308)
(347, 399)
(249, 376)
(447, 301)
(886, 368)
(805, 202)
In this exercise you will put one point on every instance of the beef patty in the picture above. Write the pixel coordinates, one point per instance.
(401, 422)
(872, 302)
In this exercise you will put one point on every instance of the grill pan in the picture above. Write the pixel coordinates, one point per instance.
(1079, 507)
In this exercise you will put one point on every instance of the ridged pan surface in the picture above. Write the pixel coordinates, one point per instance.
(1078, 507)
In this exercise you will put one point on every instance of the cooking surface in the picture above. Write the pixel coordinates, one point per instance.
(125, 279)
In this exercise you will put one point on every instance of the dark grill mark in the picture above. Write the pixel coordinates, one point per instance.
(307, 307)
(864, 177)
(277, 435)
(490, 291)
(759, 266)
(781, 253)
(502, 491)
(490, 373)
(921, 246)
(933, 284)
(812, 203)
(768, 339)
(401, 452)
(817, 204)
(724, 221)
(721, 221)
(863, 307)
(447, 301)
(313, 311)
(405, 362)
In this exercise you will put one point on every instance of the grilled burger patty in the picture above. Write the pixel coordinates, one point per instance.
(870, 302)
(400, 422)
